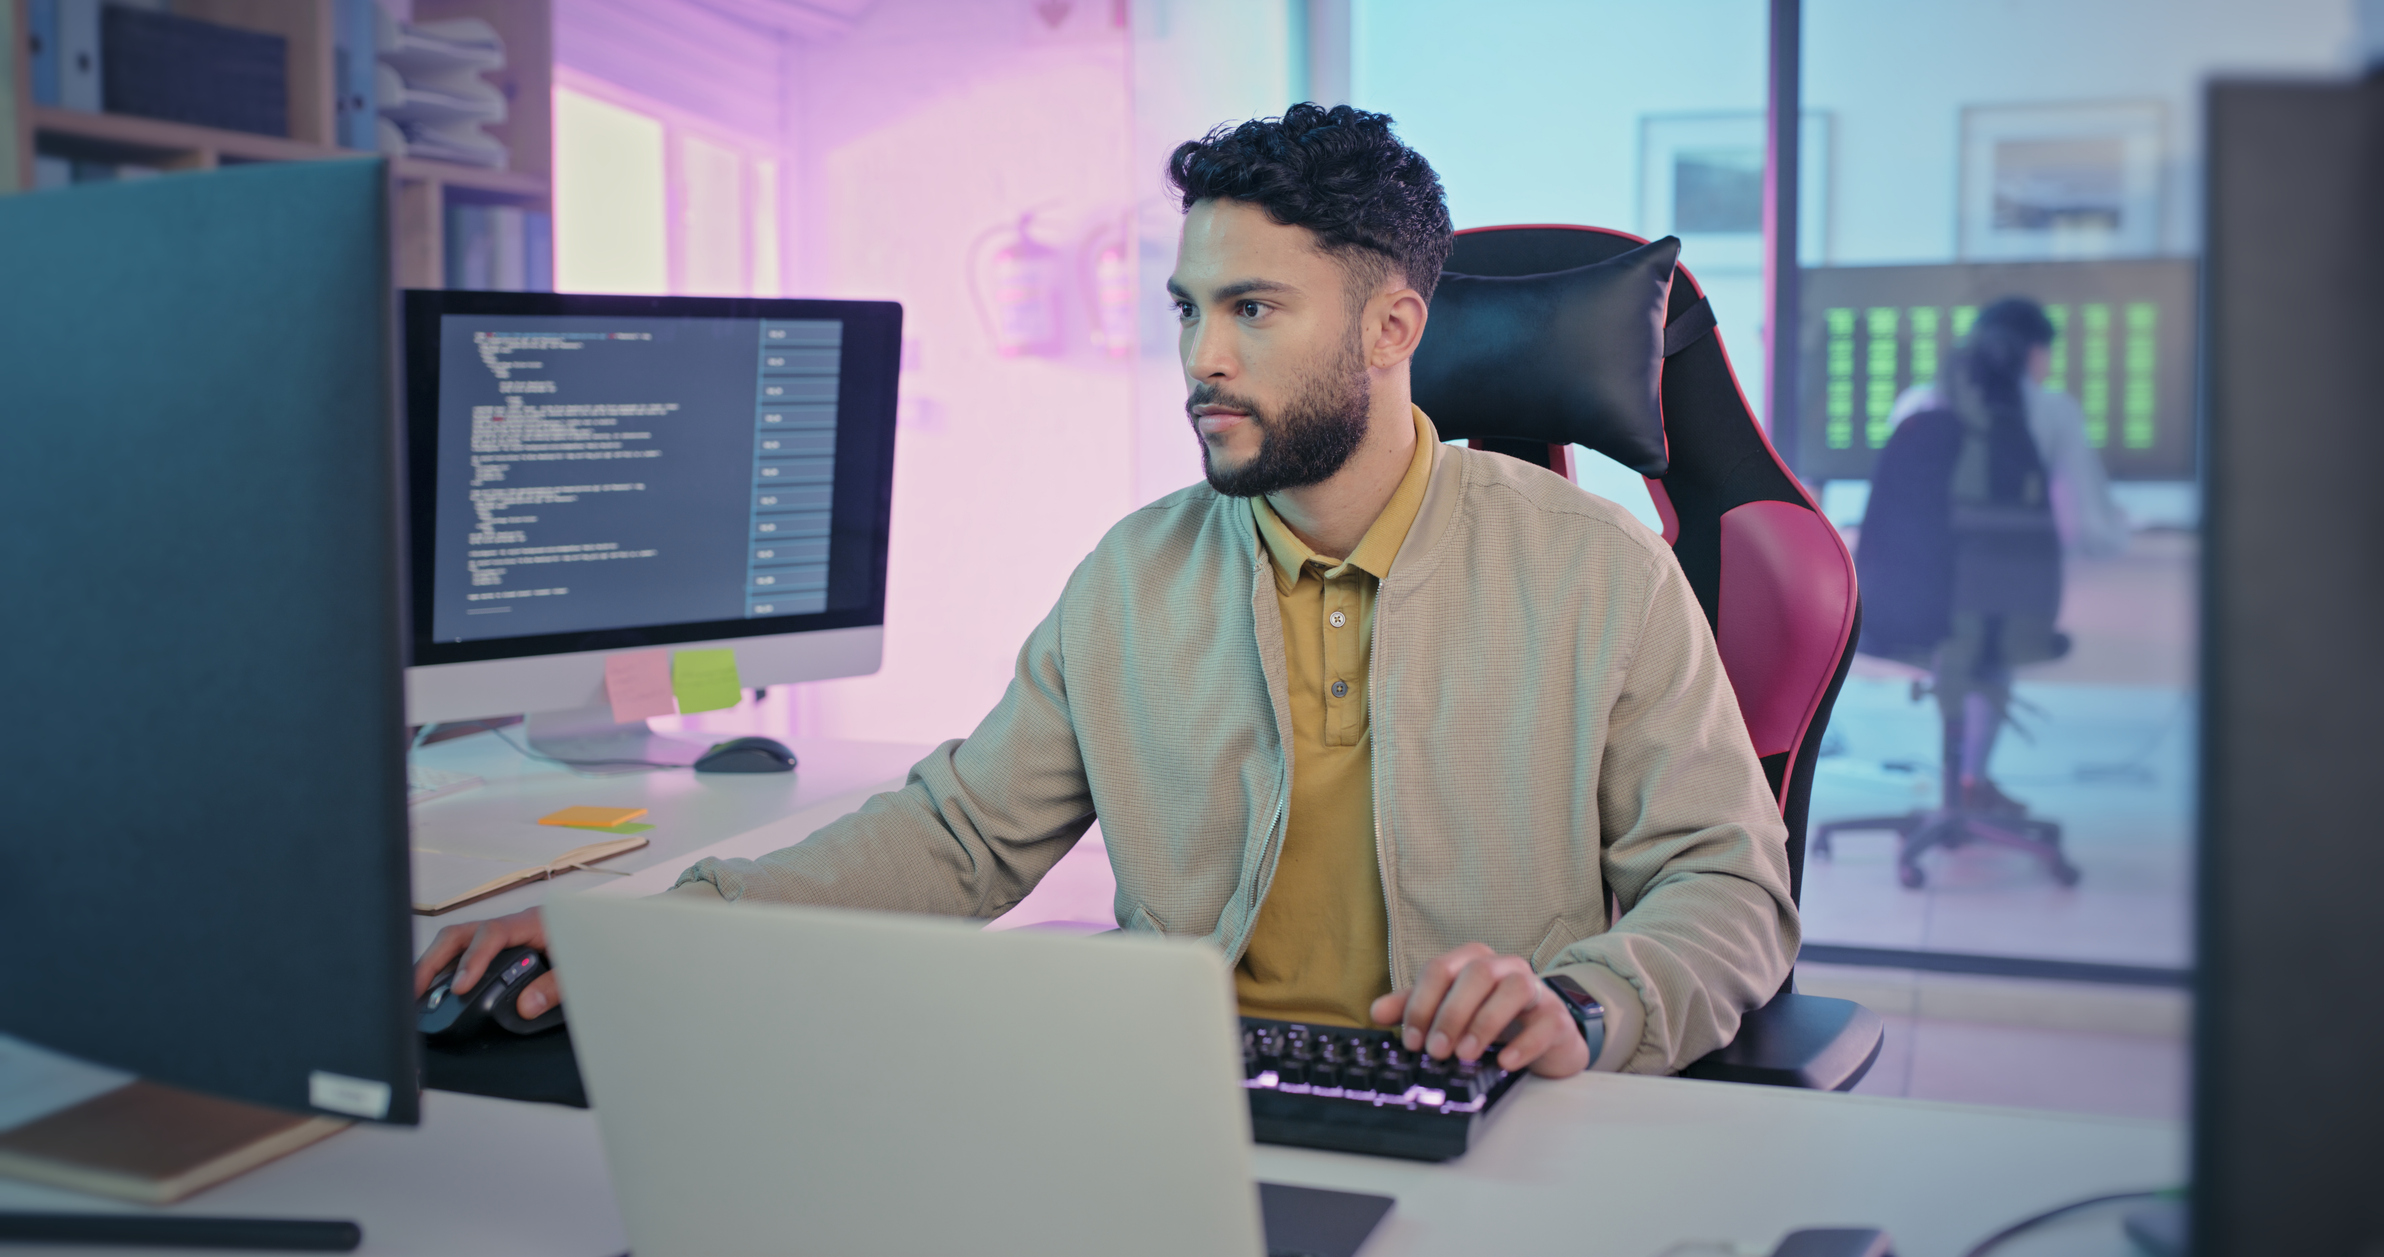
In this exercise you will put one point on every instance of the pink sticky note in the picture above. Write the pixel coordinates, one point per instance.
(639, 685)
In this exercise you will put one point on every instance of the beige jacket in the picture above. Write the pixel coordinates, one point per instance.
(1552, 731)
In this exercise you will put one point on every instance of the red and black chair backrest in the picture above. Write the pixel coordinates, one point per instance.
(1610, 345)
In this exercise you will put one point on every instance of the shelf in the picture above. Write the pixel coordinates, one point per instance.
(421, 190)
(477, 178)
(175, 143)
(181, 145)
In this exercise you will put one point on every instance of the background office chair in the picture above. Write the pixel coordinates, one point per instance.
(1908, 562)
(1548, 336)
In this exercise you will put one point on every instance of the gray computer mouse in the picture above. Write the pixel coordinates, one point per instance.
(747, 755)
(447, 1014)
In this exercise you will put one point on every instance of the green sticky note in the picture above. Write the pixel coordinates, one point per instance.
(705, 680)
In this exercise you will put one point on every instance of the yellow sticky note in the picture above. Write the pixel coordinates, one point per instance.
(593, 817)
(705, 680)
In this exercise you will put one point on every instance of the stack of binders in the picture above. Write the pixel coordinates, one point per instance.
(501, 248)
(158, 65)
(355, 72)
(62, 37)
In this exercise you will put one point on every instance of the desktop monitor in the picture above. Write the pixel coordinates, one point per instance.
(597, 475)
(2289, 1014)
(2123, 347)
(203, 878)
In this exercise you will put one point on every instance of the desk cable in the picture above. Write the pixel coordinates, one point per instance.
(2030, 1223)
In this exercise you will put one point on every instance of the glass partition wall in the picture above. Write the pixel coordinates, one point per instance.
(2015, 798)
(2048, 153)
(2027, 928)
(2003, 805)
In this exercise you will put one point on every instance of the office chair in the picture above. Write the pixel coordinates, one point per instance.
(1957, 822)
(1907, 562)
(1544, 337)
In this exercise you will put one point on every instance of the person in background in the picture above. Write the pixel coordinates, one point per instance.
(2092, 524)
(1960, 557)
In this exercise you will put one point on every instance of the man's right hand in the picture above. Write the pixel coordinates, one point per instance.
(478, 942)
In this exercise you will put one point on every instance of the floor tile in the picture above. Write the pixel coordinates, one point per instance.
(2105, 747)
(2117, 1075)
(2112, 764)
(2046, 1005)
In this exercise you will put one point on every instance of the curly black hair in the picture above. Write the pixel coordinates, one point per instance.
(1373, 202)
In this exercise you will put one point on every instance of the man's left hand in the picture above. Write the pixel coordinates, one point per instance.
(1471, 997)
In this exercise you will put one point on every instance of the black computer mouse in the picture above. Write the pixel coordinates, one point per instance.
(450, 1015)
(747, 755)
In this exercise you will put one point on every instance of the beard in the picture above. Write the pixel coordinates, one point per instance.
(1306, 440)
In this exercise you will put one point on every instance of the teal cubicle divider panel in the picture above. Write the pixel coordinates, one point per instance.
(203, 869)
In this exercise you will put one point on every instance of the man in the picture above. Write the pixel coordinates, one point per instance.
(1394, 725)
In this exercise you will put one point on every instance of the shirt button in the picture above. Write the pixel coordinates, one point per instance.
(1337, 619)
(1340, 688)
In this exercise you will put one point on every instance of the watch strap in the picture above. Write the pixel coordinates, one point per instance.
(1587, 1012)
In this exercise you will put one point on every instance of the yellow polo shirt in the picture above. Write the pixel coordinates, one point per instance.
(1321, 948)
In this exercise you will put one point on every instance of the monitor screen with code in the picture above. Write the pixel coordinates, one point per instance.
(600, 475)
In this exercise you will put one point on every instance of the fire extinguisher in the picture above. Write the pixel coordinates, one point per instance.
(1108, 278)
(1022, 314)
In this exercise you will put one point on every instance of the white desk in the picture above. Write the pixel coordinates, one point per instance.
(1628, 1166)
(1594, 1165)
(689, 811)
(1598, 1166)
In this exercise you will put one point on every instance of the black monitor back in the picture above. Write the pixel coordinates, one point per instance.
(203, 877)
(2289, 1040)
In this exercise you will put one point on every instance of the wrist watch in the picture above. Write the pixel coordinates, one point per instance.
(1587, 1012)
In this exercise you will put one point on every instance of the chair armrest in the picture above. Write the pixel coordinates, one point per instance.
(1807, 1041)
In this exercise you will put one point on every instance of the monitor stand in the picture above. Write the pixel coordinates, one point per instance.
(591, 741)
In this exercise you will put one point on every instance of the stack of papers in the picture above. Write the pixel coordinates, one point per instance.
(433, 97)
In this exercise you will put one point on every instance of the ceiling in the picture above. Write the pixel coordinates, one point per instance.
(802, 19)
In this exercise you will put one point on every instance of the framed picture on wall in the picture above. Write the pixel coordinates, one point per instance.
(1701, 178)
(2061, 180)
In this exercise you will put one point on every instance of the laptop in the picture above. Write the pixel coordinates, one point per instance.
(773, 1079)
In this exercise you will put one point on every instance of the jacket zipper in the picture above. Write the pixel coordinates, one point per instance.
(1274, 839)
(1282, 787)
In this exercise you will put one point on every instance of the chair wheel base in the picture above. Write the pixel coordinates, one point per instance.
(1917, 832)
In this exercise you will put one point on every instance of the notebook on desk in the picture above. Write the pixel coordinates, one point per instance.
(837, 1081)
(448, 875)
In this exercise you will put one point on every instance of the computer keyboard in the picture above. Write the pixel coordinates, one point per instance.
(433, 783)
(1360, 1091)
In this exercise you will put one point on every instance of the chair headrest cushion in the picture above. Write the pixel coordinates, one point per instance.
(1570, 357)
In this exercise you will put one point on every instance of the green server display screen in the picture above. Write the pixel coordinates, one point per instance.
(2123, 347)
